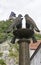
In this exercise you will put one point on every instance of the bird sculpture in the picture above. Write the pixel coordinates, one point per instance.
(30, 24)
(17, 24)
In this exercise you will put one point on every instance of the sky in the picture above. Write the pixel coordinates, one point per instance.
(31, 7)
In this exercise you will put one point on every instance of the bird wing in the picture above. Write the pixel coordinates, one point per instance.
(16, 22)
(11, 26)
(33, 24)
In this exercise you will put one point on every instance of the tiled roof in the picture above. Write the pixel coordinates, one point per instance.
(34, 46)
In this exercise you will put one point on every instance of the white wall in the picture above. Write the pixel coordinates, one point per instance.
(37, 58)
(31, 52)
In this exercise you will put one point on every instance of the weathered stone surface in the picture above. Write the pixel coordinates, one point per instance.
(23, 33)
(24, 58)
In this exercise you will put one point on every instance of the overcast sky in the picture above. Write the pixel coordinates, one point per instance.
(31, 7)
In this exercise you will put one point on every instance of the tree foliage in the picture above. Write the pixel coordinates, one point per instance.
(2, 62)
(14, 52)
(38, 36)
(1, 54)
(4, 25)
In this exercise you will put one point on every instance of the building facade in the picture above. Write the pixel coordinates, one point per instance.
(36, 57)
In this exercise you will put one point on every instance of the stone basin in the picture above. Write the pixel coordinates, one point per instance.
(23, 33)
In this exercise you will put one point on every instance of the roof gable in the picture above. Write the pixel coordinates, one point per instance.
(35, 51)
(34, 46)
